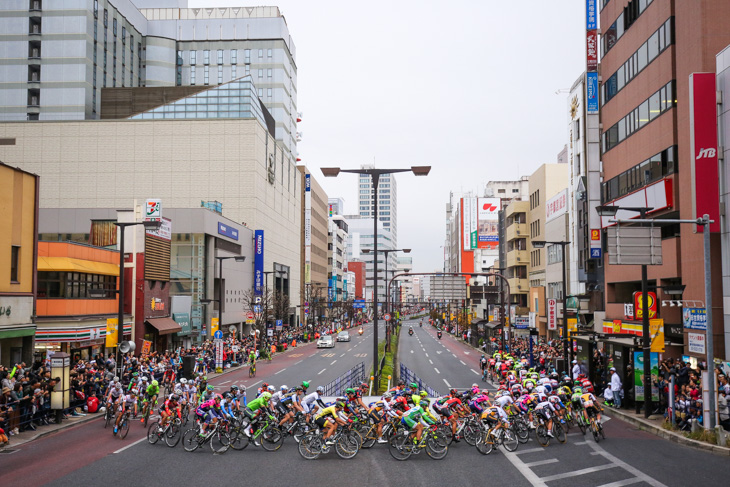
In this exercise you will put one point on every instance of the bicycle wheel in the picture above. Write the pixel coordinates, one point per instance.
(400, 447)
(370, 437)
(485, 443)
(470, 432)
(521, 431)
(445, 428)
(600, 430)
(239, 440)
(541, 435)
(346, 446)
(559, 432)
(190, 439)
(219, 441)
(581, 425)
(436, 445)
(185, 416)
(152, 435)
(108, 418)
(310, 446)
(124, 428)
(272, 438)
(509, 440)
(146, 417)
(594, 430)
(172, 435)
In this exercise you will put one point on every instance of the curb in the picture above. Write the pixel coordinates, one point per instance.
(66, 424)
(652, 428)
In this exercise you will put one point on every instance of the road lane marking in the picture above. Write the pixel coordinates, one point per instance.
(430, 361)
(462, 362)
(318, 373)
(437, 370)
(635, 471)
(342, 355)
(131, 445)
(333, 362)
(447, 383)
(254, 384)
(426, 355)
(225, 382)
(477, 373)
(349, 349)
(299, 362)
(575, 473)
(411, 351)
(282, 370)
(541, 462)
(454, 355)
(622, 483)
(529, 475)
(529, 450)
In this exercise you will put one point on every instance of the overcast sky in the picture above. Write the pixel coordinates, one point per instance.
(467, 87)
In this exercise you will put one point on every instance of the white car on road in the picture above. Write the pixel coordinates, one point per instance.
(326, 341)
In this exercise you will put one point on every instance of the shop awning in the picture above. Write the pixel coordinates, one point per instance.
(493, 324)
(25, 331)
(69, 264)
(76, 332)
(164, 326)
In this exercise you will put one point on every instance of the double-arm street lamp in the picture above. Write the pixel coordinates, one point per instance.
(568, 349)
(332, 172)
(238, 258)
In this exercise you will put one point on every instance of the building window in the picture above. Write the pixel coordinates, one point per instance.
(234, 56)
(269, 53)
(233, 71)
(193, 58)
(14, 263)
(206, 74)
(192, 75)
(261, 73)
(247, 69)
(220, 75)
(220, 56)
(268, 73)
(653, 169)
(179, 58)
(261, 53)
(124, 36)
(261, 92)
(206, 56)
(268, 92)
(247, 55)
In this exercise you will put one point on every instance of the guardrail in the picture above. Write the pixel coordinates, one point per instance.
(352, 378)
(408, 376)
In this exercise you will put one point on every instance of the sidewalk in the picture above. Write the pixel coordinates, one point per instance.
(71, 421)
(653, 425)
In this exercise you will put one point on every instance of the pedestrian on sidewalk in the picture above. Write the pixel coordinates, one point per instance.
(616, 388)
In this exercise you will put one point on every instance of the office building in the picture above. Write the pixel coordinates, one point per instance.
(648, 52)
(314, 232)
(57, 56)
(337, 257)
(387, 201)
(360, 237)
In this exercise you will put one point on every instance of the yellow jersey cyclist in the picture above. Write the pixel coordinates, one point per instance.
(329, 418)
(381, 411)
(590, 404)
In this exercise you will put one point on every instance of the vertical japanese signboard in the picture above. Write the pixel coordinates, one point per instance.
(552, 314)
(258, 262)
(307, 228)
(703, 142)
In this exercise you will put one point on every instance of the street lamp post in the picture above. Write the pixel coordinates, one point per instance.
(238, 258)
(375, 174)
(151, 225)
(386, 252)
(567, 345)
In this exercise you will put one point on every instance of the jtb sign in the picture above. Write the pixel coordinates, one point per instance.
(258, 262)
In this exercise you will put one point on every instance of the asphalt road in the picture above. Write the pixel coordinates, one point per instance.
(88, 454)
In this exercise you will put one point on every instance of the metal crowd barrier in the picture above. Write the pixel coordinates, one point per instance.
(352, 378)
(408, 376)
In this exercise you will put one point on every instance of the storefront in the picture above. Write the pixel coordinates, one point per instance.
(160, 332)
(81, 341)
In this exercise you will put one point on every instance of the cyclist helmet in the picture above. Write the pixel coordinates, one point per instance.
(320, 390)
(133, 392)
(205, 378)
(340, 404)
(234, 387)
(578, 390)
(401, 383)
(349, 390)
(145, 379)
(210, 388)
(305, 384)
(414, 385)
(227, 395)
(116, 379)
(271, 388)
(217, 398)
(243, 388)
(284, 388)
(175, 397)
(299, 389)
(265, 385)
(118, 385)
(183, 381)
(424, 394)
(266, 396)
(387, 395)
(453, 392)
(364, 386)
(154, 383)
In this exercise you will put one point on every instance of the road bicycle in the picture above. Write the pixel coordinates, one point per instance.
(123, 428)
(217, 437)
(170, 433)
(146, 410)
(596, 427)
(496, 436)
(541, 431)
(346, 442)
(268, 435)
(252, 370)
(433, 441)
(109, 415)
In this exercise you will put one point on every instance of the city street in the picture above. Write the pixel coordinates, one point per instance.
(89, 454)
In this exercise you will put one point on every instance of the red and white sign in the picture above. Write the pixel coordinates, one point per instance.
(556, 206)
(552, 314)
(639, 302)
(657, 196)
(386, 316)
(703, 142)
(591, 50)
(696, 343)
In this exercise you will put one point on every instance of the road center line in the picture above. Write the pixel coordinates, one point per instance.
(411, 351)
(431, 361)
(282, 370)
(342, 355)
(225, 382)
(318, 373)
(477, 373)
(299, 362)
(255, 383)
(454, 355)
(333, 362)
(437, 370)
(131, 445)
(447, 383)
(462, 362)
(426, 355)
